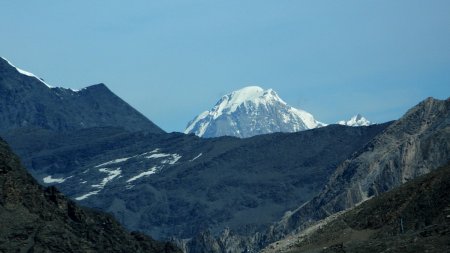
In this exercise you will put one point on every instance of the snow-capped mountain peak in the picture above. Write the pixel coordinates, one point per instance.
(249, 95)
(357, 120)
(251, 111)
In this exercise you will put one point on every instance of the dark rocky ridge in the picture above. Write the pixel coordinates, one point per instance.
(412, 146)
(412, 218)
(38, 219)
(27, 102)
(242, 184)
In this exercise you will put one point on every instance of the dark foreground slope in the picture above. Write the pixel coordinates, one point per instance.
(37, 219)
(26, 101)
(412, 218)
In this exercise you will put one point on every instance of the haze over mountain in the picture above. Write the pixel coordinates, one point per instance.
(251, 111)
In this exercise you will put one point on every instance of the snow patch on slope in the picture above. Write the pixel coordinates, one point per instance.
(51, 180)
(143, 174)
(119, 160)
(173, 158)
(85, 196)
(124, 159)
(112, 173)
(195, 158)
(156, 156)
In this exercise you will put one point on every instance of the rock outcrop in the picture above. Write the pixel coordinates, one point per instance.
(414, 217)
(414, 145)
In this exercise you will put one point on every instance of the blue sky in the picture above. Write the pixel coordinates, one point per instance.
(174, 59)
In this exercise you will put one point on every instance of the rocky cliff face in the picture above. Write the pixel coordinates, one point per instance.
(26, 101)
(412, 146)
(37, 219)
(412, 218)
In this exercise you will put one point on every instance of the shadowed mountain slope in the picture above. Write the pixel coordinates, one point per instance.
(180, 185)
(27, 101)
(412, 218)
(38, 219)
(412, 146)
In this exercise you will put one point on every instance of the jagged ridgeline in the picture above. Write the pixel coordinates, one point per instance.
(38, 219)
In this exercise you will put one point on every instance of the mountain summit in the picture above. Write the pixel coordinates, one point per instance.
(26, 101)
(357, 120)
(251, 111)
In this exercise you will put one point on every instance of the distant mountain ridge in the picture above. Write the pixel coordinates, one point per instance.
(27, 101)
(251, 111)
(357, 120)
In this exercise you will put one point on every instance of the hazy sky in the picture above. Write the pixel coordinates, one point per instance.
(174, 59)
